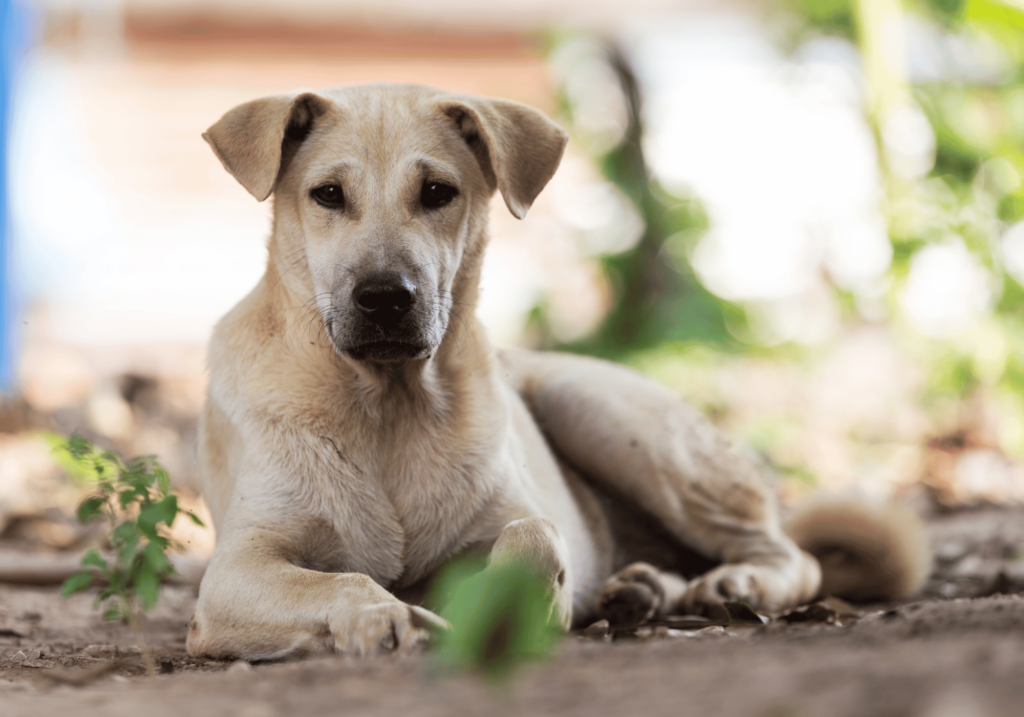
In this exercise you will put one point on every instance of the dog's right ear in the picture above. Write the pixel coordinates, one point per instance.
(249, 139)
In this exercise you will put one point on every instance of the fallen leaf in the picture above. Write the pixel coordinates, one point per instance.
(713, 630)
(840, 607)
(740, 613)
(687, 622)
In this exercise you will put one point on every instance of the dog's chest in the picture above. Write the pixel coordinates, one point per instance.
(403, 505)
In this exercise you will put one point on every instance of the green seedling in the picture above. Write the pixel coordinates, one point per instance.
(500, 619)
(135, 499)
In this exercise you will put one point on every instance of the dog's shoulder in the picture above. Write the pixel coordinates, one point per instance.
(261, 360)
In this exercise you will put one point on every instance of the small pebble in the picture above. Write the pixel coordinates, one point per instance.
(100, 650)
(239, 667)
(970, 565)
(597, 631)
(951, 550)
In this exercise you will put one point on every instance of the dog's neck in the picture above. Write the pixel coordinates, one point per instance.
(436, 385)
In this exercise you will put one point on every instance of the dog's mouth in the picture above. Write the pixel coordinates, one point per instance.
(387, 351)
(363, 336)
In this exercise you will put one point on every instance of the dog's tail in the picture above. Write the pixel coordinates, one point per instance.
(867, 551)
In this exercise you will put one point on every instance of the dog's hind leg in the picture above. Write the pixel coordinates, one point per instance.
(639, 439)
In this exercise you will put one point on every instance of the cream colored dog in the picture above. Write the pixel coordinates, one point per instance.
(360, 430)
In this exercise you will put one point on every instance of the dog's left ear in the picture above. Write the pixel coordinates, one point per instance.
(518, 148)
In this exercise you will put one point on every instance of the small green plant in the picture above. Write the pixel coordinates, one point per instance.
(134, 497)
(500, 619)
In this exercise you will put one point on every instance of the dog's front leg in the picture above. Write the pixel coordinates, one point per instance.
(254, 604)
(535, 545)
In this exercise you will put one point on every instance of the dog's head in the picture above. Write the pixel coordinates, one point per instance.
(383, 190)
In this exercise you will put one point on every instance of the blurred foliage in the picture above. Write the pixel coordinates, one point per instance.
(973, 193)
(500, 618)
(657, 296)
(655, 301)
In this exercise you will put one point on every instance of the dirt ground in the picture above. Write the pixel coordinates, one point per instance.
(958, 651)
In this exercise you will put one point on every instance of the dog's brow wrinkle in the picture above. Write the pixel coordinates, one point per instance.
(336, 171)
(433, 169)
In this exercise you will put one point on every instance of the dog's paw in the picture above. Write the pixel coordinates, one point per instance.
(633, 595)
(727, 583)
(383, 627)
(784, 583)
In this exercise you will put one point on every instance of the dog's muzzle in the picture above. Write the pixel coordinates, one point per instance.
(385, 322)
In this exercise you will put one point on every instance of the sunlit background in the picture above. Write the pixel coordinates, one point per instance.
(803, 215)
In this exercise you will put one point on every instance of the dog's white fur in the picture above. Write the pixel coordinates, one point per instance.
(341, 475)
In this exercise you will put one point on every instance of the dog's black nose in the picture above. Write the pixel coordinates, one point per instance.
(385, 300)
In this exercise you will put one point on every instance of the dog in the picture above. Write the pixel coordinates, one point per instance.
(360, 431)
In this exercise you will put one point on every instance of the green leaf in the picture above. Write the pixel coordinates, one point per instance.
(93, 558)
(112, 614)
(162, 479)
(499, 619)
(117, 580)
(154, 557)
(147, 520)
(169, 509)
(126, 496)
(76, 583)
(152, 515)
(195, 519)
(147, 585)
(60, 447)
(125, 538)
(137, 474)
(126, 532)
(90, 508)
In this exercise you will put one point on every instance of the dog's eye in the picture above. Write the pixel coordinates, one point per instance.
(435, 195)
(329, 195)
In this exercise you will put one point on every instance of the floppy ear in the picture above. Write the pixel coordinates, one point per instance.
(249, 139)
(518, 147)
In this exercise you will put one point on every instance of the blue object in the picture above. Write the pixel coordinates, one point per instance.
(13, 42)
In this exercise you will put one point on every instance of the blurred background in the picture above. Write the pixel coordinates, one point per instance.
(805, 216)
